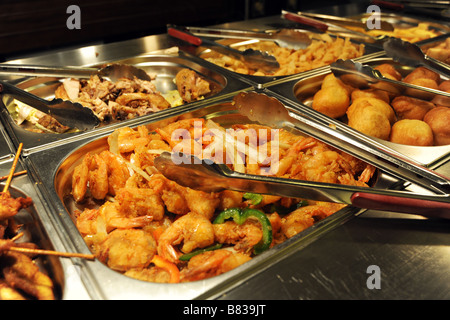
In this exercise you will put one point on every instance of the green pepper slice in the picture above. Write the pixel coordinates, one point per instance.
(241, 215)
(188, 256)
(255, 198)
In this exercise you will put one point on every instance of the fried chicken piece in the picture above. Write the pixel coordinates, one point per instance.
(10, 206)
(190, 85)
(21, 273)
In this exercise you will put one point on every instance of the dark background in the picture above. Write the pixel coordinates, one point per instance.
(29, 26)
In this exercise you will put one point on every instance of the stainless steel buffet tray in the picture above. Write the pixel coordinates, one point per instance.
(54, 170)
(37, 228)
(104, 283)
(165, 66)
(302, 90)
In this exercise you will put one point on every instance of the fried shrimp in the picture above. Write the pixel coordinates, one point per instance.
(193, 230)
(153, 229)
(125, 249)
(213, 263)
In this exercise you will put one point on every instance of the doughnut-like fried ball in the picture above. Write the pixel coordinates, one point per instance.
(330, 80)
(371, 93)
(378, 104)
(388, 69)
(369, 120)
(441, 100)
(412, 132)
(422, 73)
(411, 108)
(331, 101)
(438, 119)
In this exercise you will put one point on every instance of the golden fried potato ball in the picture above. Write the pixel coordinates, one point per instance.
(388, 70)
(438, 119)
(330, 80)
(369, 120)
(422, 73)
(378, 104)
(331, 101)
(412, 132)
(371, 93)
(411, 108)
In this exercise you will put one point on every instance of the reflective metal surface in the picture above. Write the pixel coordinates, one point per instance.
(104, 283)
(164, 66)
(37, 228)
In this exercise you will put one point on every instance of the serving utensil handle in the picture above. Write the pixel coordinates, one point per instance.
(427, 208)
(185, 36)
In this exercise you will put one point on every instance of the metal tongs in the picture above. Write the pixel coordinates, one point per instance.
(270, 111)
(71, 114)
(189, 171)
(255, 59)
(363, 76)
(410, 54)
(327, 26)
(287, 38)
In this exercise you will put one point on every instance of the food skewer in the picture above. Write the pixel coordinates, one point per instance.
(13, 168)
(53, 253)
(16, 174)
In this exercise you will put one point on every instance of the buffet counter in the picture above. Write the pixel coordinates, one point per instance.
(353, 254)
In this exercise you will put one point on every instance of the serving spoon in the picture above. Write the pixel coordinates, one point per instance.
(113, 71)
(71, 114)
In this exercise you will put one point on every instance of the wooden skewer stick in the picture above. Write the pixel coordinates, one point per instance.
(13, 168)
(19, 173)
(53, 253)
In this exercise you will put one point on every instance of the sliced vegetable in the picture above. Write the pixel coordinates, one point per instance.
(188, 256)
(241, 215)
(255, 198)
(160, 262)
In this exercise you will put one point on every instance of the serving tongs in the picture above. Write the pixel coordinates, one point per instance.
(364, 76)
(411, 55)
(255, 59)
(204, 175)
(287, 38)
(113, 71)
(71, 114)
(325, 26)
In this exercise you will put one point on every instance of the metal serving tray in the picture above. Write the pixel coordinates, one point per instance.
(256, 80)
(302, 90)
(165, 66)
(5, 148)
(38, 229)
(104, 283)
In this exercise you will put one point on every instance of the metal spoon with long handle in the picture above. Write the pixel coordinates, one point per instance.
(113, 71)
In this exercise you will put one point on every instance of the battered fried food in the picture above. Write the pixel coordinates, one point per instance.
(412, 132)
(191, 86)
(423, 77)
(333, 99)
(370, 93)
(378, 104)
(438, 119)
(411, 108)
